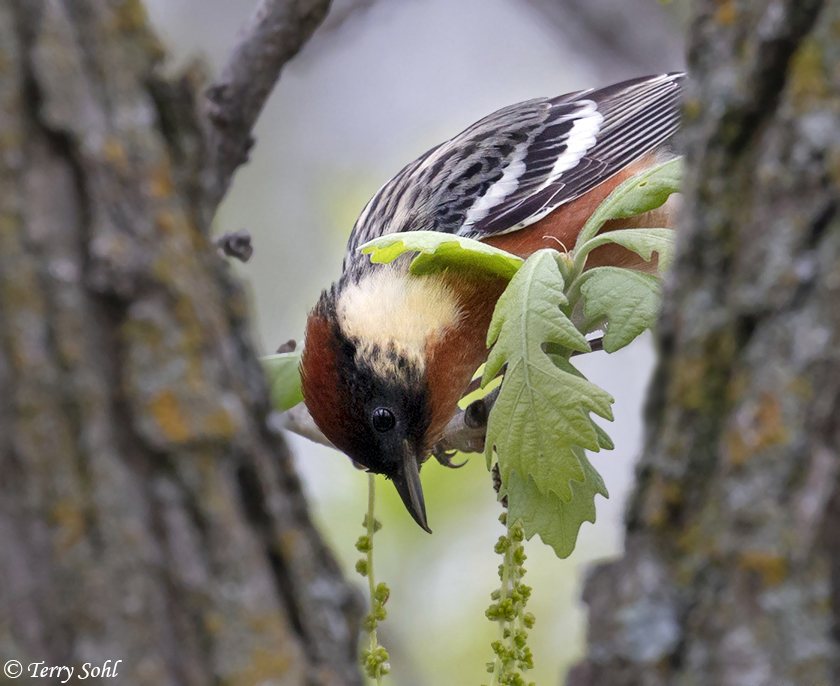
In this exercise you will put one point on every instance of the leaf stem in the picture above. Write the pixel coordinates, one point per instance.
(573, 292)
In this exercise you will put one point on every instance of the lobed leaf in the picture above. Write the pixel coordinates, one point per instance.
(643, 242)
(557, 521)
(628, 299)
(604, 439)
(440, 251)
(541, 415)
(639, 194)
(283, 372)
(560, 361)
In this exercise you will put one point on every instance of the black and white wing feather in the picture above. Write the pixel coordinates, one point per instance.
(520, 163)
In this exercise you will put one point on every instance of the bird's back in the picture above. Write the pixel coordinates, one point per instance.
(540, 164)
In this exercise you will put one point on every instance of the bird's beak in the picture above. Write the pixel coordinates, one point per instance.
(407, 481)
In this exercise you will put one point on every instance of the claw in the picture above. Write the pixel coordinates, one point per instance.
(444, 457)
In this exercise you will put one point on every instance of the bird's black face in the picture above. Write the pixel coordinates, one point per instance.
(387, 394)
(378, 413)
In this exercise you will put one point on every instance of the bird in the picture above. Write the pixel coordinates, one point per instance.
(389, 354)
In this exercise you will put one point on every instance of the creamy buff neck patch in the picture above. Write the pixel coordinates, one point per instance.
(396, 311)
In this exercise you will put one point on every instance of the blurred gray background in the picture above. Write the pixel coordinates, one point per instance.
(379, 84)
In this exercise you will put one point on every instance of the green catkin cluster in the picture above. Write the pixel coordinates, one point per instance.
(374, 658)
(512, 655)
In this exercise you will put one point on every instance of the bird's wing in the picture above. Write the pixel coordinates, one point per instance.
(585, 141)
(515, 166)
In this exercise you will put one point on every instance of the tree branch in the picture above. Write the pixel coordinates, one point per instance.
(298, 420)
(274, 34)
(343, 14)
(237, 245)
(464, 433)
(619, 39)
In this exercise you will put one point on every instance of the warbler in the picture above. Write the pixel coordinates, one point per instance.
(389, 354)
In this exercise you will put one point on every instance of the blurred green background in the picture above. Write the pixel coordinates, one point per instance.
(379, 84)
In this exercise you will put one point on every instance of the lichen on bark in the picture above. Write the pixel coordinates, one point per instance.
(731, 574)
(148, 511)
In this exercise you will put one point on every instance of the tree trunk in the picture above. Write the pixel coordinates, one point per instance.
(149, 512)
(731, 575)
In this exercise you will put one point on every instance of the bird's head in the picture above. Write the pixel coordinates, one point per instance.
(379, 377)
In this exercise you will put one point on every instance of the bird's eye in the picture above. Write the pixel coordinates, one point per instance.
(383, 419)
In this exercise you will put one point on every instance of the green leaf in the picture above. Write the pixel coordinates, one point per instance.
(604, 439)
(563, 363)
(643, 242)
(628, 299)
(637, 195)
(557, 521)
(440, 251)
(283, 372)
(542, 412)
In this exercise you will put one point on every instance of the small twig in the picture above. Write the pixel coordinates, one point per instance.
(595, 345)
(237, 245)
(342, 14)
(274, 34)
(300, 422)
(475, 384)
(465, 432)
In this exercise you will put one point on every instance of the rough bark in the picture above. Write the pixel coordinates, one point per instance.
(731, 575)
(149, 512)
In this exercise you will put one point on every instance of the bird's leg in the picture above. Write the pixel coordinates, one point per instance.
(465, 432)
(444, 457)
